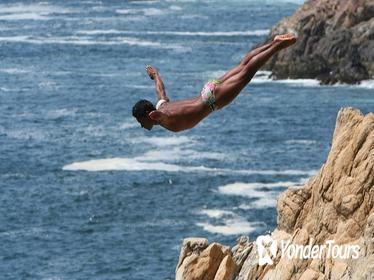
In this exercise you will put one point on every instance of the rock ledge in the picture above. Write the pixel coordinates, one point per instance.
(335, 204)
(336, 42)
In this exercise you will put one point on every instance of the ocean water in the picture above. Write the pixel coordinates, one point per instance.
(86, 193)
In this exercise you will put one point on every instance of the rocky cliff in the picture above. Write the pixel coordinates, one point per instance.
(335, 42)
(336, 204)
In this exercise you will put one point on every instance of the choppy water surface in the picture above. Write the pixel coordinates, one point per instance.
(85, 192)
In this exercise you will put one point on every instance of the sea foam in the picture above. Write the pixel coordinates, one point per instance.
(260, 32)
(227, 222)
(84, 41)
(262, 192)
(265, 77)
(145, 163)
(37, 11)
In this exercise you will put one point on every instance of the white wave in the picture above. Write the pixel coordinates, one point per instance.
(260, 203)
(369, 84)
(143, 2)
(73, 40)
(265, 77)
(148, 11)
(290, 172)
(176, 153)
(175, 8)
(161, 155)
(141, 86)
(42, 8)
(38, 11)
(99, 31)
(231, 227)
(153, 12)
(365, 84)
(64, 112)
(47, 84)
(6, 89)
(215, 213)
(300, 82)
(253, 189)
(301, 141)
(167, 149)
(164, 141)
(142, 164)
(24, 16)
(123, 164)
(260, 32)
(290, 82)
(263, 199)
(54, 40)
(144, 43)
(126, 11)
(229, 223)
(145, 12)
(14, 71)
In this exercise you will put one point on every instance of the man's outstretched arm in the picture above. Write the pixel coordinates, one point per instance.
(160, 88)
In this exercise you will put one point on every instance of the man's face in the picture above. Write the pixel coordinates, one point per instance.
(145, 122)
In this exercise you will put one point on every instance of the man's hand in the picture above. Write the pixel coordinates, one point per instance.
(160, 88)
(152, 72)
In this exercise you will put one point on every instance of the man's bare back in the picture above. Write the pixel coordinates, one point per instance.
(185, 114)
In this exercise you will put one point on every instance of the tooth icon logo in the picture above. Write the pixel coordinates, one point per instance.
(267, 248)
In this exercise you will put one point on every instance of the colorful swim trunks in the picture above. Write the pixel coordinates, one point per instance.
(207, 94)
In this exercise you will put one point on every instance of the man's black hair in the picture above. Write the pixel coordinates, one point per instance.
(142, 108)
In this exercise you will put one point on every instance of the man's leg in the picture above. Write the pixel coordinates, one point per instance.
(244, 61)
(231, 87)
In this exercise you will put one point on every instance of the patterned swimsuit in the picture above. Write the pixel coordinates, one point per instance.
(207, 94)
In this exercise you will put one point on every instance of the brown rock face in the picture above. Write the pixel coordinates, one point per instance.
(213, 263)
(335, 42)
(337, 201)
(336, 204)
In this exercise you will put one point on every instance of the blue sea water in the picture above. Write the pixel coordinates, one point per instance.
(85, 193)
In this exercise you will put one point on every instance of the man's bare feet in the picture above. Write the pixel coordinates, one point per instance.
(286, 40)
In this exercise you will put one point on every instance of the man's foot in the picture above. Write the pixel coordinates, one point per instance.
(285, 40)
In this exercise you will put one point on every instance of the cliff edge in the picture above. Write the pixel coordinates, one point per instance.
(335, 42)
(336, 205)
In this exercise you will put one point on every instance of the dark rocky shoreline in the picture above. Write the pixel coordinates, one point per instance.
(335, 42)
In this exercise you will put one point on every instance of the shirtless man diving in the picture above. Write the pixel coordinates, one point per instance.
(216, 94)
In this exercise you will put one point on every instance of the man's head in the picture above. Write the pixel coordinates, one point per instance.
(141, 112)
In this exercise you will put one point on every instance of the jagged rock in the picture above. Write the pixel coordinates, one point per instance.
(335, 42)
(241, 250)
(335, 204)
(226, 269)
(191, 245)
(310, 274)
(338, 200)
(212, 263)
